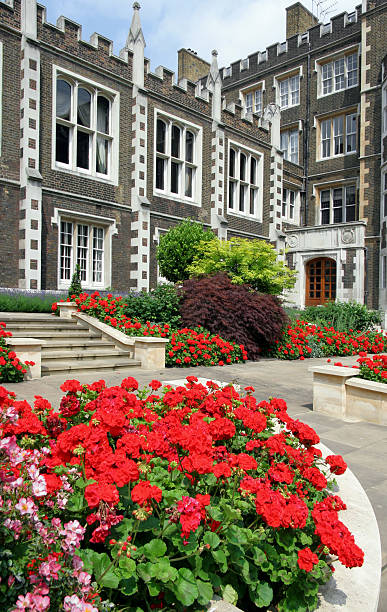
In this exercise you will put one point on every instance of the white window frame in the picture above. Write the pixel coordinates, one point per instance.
(290, 203)
(335, 129)
(196, 164)
(76, 80)
(284, 85)
(288, 149)
(245, 184)
(331, 63)
(343, 207)
(109, 228)
(384, 109)
(251, 90)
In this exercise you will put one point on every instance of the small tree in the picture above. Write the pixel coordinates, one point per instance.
(178, 247)
(76, 285)
(252, 262)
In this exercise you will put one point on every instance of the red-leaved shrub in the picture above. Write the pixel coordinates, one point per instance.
(235, 312)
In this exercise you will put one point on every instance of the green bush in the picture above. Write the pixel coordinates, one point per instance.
(178, 247)
(246, 262)
(160, 305)
(24, 303)
(343, 316)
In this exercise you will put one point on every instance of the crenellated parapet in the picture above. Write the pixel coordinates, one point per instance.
(187, 93)
(66, 35)
(280, 54)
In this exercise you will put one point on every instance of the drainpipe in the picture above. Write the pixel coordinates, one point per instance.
(365, 275)
(306, 138)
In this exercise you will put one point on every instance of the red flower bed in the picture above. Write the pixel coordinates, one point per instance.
(161, 496)
(371, 368)
(11, 368)
(305, 340)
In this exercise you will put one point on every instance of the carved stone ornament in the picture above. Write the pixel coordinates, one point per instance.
(347, 236)
(292, 241)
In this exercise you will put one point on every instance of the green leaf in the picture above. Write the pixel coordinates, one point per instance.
(261, 594)
(164, 571)
(153, 588)
(205, 592)
(155, 548)
(128, 586)
(212, 539)
(221, 560)
(305, 539)
(286, 539)
(236, 535)
(104, 576)
(127, 566)
(249, 573)
(151, 523)
(215, 513)
(145, 571)
(75, 503)
(81, 483)
(210, 480)
(229, 594)
(123, 529)
(259, 557)
(185, 587)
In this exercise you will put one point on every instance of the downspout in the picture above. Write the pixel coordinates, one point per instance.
(365, 275)
(306, 139)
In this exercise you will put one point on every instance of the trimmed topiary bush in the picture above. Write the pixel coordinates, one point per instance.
(235, 312)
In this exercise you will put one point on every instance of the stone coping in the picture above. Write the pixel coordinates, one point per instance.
(24, 341)
(339, 371)
(371, 385)
(107, 330)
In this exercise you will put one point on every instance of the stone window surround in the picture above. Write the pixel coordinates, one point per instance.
(110, 229)
(291, 188)
(114, 98)
(198, 154)
(331, 57)
(318, 119)
(252, 89)
(331, 185)
(283, 76)
(238, 147)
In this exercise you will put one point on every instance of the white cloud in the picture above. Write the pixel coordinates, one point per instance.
(235, 29)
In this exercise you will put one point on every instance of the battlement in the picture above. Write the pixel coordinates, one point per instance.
(66, 34)
(166, 78)
(279, 53)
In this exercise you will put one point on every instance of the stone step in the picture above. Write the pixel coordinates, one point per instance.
(106, 354)
(78, 367)
(75, 344)
(37, 327)
(27, 316)
(80, 332)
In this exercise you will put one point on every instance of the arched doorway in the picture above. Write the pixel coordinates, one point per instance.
(320, 281)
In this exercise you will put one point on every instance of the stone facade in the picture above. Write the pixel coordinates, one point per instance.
(102, 155)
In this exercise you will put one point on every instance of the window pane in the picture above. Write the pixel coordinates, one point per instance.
(63, 100)
(249, 102)
(326, 138)
(258, 101)
(352, 70)
(98, 239)
(189, 146)
(253, 199)
(160, 136)
(242, 198)
(66, 241)
(284, 99)
(231, 194)
(102, 155)
(284, 201)
(294, 146)
(253, 171)
(325, 206)
(82, 249)
(231, 169)
(175, 148)
(295, 89)
(338, 124)
(62, 144)
(326, 73)
(160, 173)
(84, 106)
(351, 121)
(83, 146)
(188, 181)
(242, 174)
(337, 205)
(103, 108)
(339, 74)
(284, 143)
(350, 203)
(175, 177)
(385, 204)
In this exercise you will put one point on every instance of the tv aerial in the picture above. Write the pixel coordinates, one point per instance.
(323, 8)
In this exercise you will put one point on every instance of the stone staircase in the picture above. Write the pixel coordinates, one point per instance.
(68, 346)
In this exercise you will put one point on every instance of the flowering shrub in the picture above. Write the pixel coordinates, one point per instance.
(303, 340)
(11, 368)
(187, 347)
(190, 347)
(374, 368)
(156, 499)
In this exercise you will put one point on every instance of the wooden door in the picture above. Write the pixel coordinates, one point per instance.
(320, 281)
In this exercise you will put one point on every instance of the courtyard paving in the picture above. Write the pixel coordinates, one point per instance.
(363, 445)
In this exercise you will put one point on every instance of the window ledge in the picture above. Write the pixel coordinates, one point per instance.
(332, 93)
(243, 216)
(86, 175)
(342, 155)
(168, 196)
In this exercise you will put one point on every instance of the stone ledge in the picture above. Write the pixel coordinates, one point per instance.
(339, 371)
(28, 349)
(372, 385)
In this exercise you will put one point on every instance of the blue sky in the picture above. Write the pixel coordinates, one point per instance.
(234, 27)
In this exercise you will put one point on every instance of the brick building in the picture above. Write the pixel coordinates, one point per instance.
(327, 80)
(100, 155)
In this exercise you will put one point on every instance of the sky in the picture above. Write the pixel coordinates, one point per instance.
(235, 28)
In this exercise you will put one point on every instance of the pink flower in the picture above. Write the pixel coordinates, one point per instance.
(26, 506)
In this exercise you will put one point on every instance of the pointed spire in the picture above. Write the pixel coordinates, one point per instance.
(135, 32)
(214, 74)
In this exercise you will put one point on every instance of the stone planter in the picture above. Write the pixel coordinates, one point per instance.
(339, 392)
(28, 349)
(67, 309)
